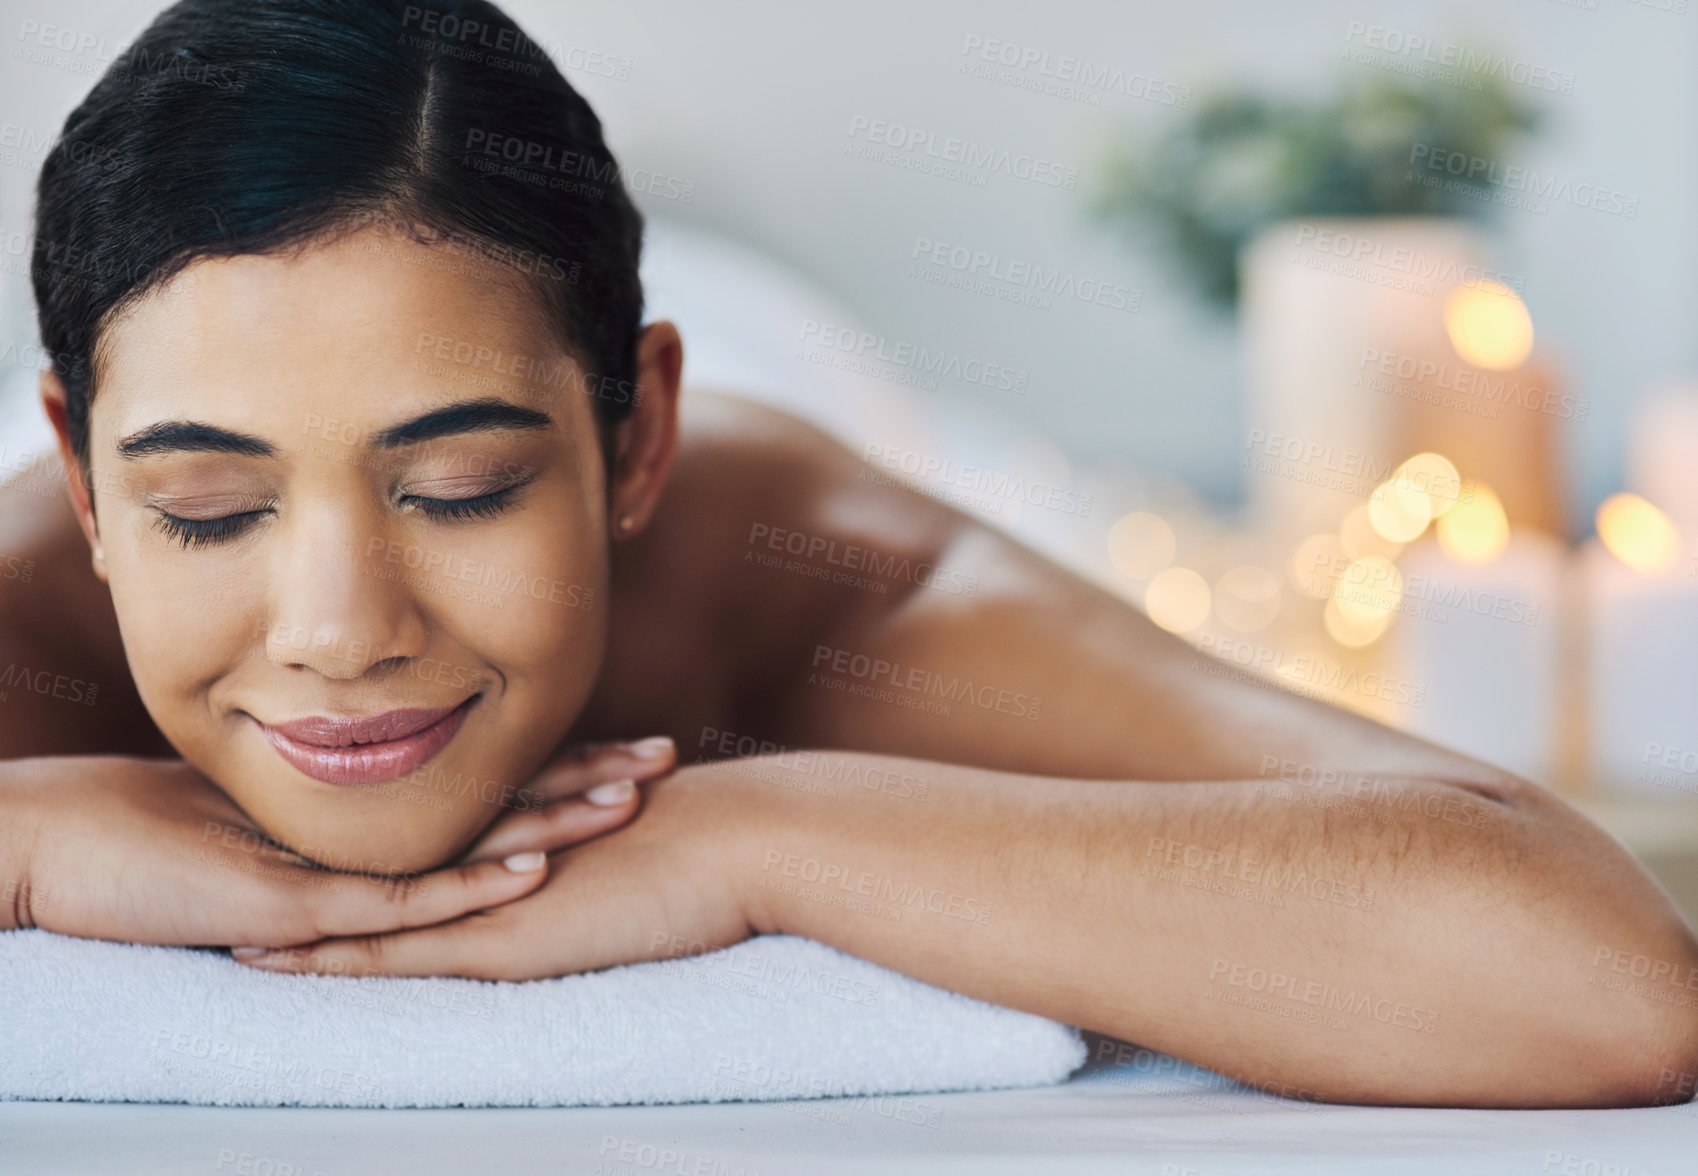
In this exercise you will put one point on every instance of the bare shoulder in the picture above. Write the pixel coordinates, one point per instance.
(754, 482)
(813, 560)
(746, 446)
(716, 418)
(52, 598)
(63, 677)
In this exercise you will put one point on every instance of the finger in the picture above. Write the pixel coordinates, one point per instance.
(352, 904)
(604, 905)
(601, 763)
(561, 824)
(462, 948)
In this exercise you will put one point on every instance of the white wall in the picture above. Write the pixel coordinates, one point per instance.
(752, 103)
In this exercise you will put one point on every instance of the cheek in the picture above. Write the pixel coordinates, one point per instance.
(182, 625)
(529, 599)
(539, 611)
(543, 573)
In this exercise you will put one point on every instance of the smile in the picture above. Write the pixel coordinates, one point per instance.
(366, 749)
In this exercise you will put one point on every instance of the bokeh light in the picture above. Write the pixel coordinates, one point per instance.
(1427, 484)
(1141, 545)
(1392, 517)
(1351, 632)
(1489, 326)
(1476, 529)
(1369, 589)
(1358, 539)
(1637, 533)
(1177, 600)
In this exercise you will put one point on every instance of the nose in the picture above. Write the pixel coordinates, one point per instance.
(337, 605)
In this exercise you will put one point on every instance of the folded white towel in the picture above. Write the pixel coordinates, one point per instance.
(775, 1017)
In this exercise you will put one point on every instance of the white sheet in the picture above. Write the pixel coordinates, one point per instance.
(1125, 1121)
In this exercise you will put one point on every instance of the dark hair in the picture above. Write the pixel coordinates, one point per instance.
(250, 126)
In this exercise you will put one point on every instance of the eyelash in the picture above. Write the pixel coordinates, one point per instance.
(448, 510)
(205, 532)
(191, 533)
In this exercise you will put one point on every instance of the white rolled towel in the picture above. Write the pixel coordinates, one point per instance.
(775, 1017)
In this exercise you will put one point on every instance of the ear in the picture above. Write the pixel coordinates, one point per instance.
(647, 440)
(76, 481)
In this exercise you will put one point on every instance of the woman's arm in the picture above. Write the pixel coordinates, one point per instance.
(1180, 917)
(1384, 940)
(1390, 940)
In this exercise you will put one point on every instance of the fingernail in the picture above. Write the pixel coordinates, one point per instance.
(654, 747)
(525, 863)
(612, 793)
(249, 953)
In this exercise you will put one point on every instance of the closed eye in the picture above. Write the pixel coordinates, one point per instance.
(192, 533)
(206, 532)
(482, 506)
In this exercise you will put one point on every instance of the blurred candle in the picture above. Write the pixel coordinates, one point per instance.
(1326, 304)
(1480, 631)
(1642, 626)
(1470, 384)
(1662, 445)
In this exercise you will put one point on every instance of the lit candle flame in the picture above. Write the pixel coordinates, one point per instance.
(1489, 326)
(1476, 529)
(1637, 533)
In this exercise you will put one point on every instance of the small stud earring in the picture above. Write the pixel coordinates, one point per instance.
(625, 524)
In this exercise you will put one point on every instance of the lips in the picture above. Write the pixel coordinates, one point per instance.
(365, 749)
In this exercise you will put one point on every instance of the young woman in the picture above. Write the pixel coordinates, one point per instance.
(393, 555)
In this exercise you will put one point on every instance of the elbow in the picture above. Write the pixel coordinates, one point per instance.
(1642, 1068)
(1612, 1041)
(1638, 972)
(1587, 982)
(1655, 1059)
(1676, 1078)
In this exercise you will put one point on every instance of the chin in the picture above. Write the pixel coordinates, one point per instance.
(375, 844)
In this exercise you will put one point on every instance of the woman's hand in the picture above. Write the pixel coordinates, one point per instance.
(669, 883)
(581, 793)
(151, 851)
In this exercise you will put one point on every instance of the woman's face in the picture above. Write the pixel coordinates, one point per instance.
(352, 510)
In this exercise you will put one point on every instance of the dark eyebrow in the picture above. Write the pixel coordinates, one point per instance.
(192, 437)
(468, 416)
